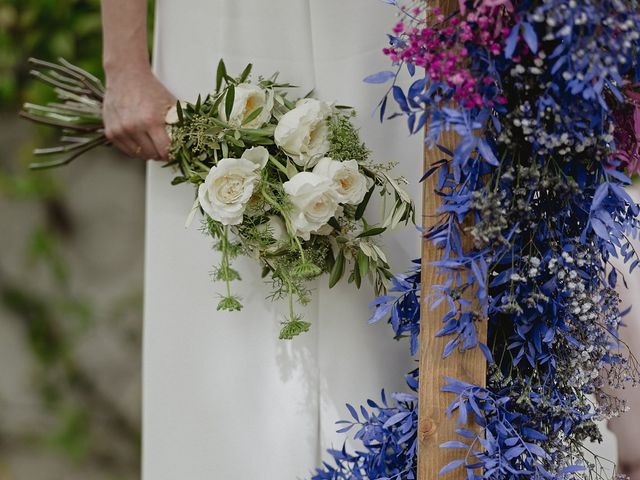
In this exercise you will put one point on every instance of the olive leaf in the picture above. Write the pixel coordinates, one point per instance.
(338, 269)
(245, 74)
(221, 73)
(253, 115)
(230, 97)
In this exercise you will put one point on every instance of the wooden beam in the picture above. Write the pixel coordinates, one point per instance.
(434, 426)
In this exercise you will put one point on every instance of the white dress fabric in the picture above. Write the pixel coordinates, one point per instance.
(224, 399)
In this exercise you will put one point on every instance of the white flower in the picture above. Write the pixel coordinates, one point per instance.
(314, 202)
(303, 133)
(327, 229)
(257, 155)
(246, 100)
(227, 189)
(171, 117)
(349, 183)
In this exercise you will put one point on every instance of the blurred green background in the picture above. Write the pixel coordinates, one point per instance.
(71, 248)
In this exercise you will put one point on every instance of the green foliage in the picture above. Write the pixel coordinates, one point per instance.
(345, 140)
(46, 29)
(293, 327)
(54, 320)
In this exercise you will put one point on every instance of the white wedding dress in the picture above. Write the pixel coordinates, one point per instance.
(224, 399)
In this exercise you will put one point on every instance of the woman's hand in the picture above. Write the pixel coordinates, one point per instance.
(134, 112)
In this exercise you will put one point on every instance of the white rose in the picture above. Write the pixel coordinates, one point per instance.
(349, 183)
(246, 100)
(314, 202)
(227, 189)
(257, 155)
(303, 133)
(171, 117)
(328, 229)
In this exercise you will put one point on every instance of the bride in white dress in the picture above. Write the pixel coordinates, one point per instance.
(225, 399)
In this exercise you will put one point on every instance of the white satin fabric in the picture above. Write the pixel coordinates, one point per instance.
(224, 399)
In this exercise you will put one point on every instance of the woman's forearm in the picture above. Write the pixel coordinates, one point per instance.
(135, 101)
(124, 26)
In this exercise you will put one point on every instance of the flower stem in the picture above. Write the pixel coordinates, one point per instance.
(277, 163)
(290, 293)
(271, 201)
(225, 258)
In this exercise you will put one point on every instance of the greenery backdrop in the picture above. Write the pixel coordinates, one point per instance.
(76, 419)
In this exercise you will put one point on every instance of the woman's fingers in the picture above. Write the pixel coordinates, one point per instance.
(134, 114)
(145, 149)
(122, 141)
(133, 140)
(161, 141)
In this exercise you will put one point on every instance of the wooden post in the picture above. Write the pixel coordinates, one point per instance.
(434, 426)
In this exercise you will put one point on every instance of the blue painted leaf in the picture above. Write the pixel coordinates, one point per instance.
(572, 469)
(530, 36)
(353, 412)
(451, 466)
(486, 352)
(400, 98)
(380, 77)
(383, 108)
(514, 452)
(397, 418)
(454, 444)
(512, 41)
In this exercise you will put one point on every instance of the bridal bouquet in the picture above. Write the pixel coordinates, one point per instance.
(285, 181)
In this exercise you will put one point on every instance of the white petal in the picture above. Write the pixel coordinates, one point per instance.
(257, 155)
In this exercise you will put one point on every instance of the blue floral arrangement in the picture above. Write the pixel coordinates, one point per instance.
(543, 97)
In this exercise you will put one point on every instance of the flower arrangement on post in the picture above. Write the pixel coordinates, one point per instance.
(543, 97)
(284, 181)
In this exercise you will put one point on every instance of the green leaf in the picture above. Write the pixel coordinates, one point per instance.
(355, 276)
(338, 269)
(293, 327)
(334, 223)
(372, 232)
(401, 210)
(221, 73)
(196, 108)
(363, 265)
(363, 205)
(292, 170)
(229, 99)
(245, 73)
(253, 115)
(180, 113)
(230, 303)
(178, 180)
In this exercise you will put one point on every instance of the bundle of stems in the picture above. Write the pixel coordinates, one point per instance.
(77, 112)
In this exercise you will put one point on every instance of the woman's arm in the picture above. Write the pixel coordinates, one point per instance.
(135, 102)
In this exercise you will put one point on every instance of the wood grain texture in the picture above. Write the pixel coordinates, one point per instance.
(434, 426)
